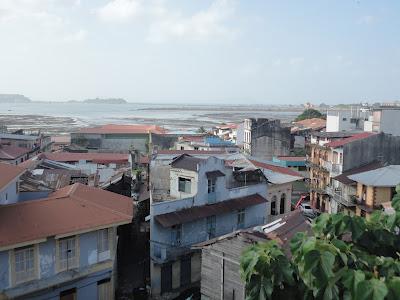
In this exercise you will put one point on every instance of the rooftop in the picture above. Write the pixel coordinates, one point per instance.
(9, 152)
(8, 173)
(200, 212)
(24, 137)
(343, 178)
(313, 124)
(292, 158)
(355, 137)
(275, 168)
(281, 230)
(388, 176)
(340, 134)
(124, 129)
(90, 156)
(189, 152)
(186, 162)
(70, 210)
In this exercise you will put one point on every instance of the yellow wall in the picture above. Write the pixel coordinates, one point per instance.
(382, 194)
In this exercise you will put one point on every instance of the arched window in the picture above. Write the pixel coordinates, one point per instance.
(273, 206)
(282, 204)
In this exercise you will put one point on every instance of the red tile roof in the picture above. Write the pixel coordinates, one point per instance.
(93, 157)
(73, 209)
(8, 173)
(314, 123)
(355, 137)
(9, 152)
(124, 129)
(275, 168)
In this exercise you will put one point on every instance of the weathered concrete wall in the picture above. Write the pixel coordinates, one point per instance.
(9, 194)
(269, 139)
(380, 147)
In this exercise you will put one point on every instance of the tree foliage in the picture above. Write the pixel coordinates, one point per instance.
(309, 114)
(345, 257)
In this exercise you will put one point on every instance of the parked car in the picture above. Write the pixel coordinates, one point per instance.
(307, 210)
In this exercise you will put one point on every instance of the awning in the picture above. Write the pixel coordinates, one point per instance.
(214, 174)
(200, 212)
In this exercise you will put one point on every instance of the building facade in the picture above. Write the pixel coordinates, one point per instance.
(70, 252)
(265, 138)
(196, 200)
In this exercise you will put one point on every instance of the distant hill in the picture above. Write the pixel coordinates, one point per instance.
(14, 98)
(106, 101)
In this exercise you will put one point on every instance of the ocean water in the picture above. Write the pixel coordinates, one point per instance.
(176, 117)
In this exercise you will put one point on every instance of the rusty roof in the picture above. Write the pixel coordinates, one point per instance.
(275, 168)
(200, 212)
(8, 173)
(124, 129)
(88, 156)
(70, 210)
(9, 152)
(356, 137)
(286, 228)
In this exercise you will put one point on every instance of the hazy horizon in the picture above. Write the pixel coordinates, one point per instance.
(184, 52)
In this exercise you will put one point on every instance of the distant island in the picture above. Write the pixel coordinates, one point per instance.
(14, 98)
(105, 101)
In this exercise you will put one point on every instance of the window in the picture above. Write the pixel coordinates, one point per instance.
(68, 295)
(103, 244)
(273, 206)
(184, 185)
(240, 218)
(211, 224)
(24, 264)
(177, 234)
(104, 289)
(344, 119)
(67, 249)
(211, 185)
(282, 204)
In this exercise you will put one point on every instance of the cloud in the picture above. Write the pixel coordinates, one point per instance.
(165, 23)
(201, 25)
(75, 37)
(41, 19)
(119, 10)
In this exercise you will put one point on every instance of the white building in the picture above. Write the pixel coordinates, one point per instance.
(384, 119)
(346, 120)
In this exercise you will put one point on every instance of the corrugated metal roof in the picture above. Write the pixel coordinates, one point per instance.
(356, 137)
(343, 178)
(124, 129)
(69, 210)
(388, 176)
(200, 212)
(186, 162)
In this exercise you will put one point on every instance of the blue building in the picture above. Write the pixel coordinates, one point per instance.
(62, 246)
(193, 200)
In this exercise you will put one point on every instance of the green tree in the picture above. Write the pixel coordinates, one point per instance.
(309, 114)
(345, 257)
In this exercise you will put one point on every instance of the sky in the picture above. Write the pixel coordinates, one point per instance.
(202, 51)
